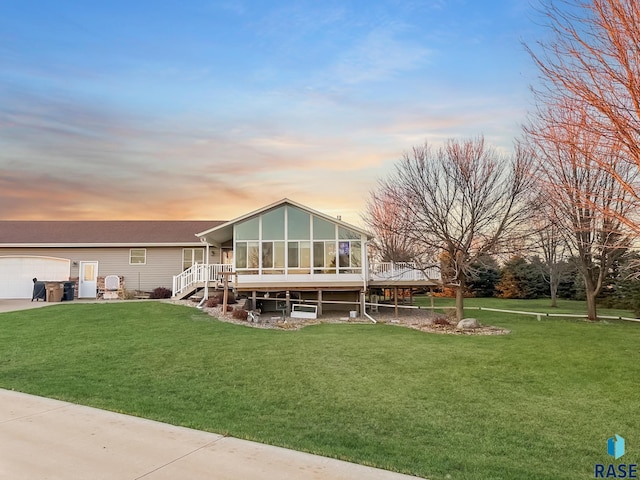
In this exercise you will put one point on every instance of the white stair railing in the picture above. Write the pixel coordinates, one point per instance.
(197, 273)
(194, 274)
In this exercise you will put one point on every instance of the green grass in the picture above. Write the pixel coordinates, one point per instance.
(536, 404)
(542, 305)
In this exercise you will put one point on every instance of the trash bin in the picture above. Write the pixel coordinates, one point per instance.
(68, 291)
(39, 291)
(54, 291)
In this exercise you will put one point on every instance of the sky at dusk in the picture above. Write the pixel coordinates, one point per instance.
(210, 109)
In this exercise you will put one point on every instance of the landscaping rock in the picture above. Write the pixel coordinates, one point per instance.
(421, 320)
(468, 324)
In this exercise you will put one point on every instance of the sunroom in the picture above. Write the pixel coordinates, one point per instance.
(287, 245)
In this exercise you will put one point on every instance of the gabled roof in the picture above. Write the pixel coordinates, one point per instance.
(222, 233)
(102, 232)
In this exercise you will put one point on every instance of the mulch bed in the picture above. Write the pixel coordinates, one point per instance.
(418, 319)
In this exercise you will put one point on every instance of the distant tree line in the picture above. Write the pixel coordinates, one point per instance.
(528, 278)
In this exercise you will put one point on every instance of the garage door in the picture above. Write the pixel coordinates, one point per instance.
(17, 273)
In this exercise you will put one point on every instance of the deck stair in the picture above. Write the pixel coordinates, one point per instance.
(195, 278)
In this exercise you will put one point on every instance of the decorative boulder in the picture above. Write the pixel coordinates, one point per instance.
(468, 324)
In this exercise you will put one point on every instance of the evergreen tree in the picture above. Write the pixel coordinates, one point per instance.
(486, 275)
(521, 279)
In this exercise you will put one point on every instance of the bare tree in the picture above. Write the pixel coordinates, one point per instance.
(383, 219)
(463, 200)
(593, 60)
(588, 203)
(549, 241)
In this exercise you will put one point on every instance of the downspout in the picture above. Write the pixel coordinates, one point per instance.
(365, 275)
(370, 317)
(206, 272)
(205, 297)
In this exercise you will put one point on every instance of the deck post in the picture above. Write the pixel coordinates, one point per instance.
(225, 295)
(287, 303)
(254, 302)
(395, 300)
(363, 304)
(319, 302)
(206, 272)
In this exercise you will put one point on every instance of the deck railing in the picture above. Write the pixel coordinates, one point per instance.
(380, 271)
(402, 272)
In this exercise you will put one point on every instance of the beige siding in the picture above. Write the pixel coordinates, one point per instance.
(162, 263)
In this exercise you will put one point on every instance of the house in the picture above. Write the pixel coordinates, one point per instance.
(286, 252)
(278, 255)
(144, 254)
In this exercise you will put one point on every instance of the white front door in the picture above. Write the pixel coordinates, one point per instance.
(88, 282)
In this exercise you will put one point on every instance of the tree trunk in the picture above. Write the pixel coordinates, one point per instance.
(590, 293)
(591, 305)
(553, 289)
(554, 299)
(460, 301)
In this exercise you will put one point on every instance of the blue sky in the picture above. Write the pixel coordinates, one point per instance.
(210, 109)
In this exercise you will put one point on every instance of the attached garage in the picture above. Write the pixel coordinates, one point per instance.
(17, 273)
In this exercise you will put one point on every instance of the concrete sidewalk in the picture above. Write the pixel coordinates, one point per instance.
(42, 438)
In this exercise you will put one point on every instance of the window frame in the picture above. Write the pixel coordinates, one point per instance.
(143, 256)
(193, 252)
(317, 233)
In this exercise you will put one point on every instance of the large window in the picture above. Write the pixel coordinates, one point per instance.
(191, 256)
(298, 224)
(323, 230)
(290, 240)
(248, 230)
(248, 256)
(272, 257)
(349, 256)
(324, 257)
(273, 225)
(299, 257)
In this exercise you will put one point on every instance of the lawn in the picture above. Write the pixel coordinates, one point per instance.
(538, 403)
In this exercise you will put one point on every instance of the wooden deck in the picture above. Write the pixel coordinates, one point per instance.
(380, 275)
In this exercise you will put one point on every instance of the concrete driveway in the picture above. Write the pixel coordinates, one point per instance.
(44, 438)
(20, 304)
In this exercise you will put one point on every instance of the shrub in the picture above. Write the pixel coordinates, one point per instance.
(441, 321)
(229, 308)
(129, 295)
(450, 314)
(212, 302)
(240, 314)
(160, 292)
(231, 298)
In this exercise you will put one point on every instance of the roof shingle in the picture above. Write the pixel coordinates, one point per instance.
(83, 232)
